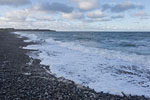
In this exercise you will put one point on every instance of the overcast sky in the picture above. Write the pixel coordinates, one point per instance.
(76, 15)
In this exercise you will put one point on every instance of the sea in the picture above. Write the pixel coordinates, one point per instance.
(112, 62)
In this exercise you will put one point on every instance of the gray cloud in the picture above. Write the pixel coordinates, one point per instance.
(118, 8)
(95, 14)
(118, 17)
(14, 2)
(73, 15)
(97, 20)
(106, 7)
(141, 14)
(55, 7)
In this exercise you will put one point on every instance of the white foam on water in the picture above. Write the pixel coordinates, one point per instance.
(100, 69)
(31, 37)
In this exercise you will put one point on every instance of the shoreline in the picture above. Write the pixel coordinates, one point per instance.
(23, 77)
(16, 30)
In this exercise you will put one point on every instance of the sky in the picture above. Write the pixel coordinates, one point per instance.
(76, 15)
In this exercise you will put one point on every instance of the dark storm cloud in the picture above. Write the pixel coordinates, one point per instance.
(55, 7)
(14, 2)
(118, 8)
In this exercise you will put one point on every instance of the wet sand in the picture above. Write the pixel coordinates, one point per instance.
(24, 78)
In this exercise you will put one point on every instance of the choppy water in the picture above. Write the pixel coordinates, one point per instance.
(112, 62)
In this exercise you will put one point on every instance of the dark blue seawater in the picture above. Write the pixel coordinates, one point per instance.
(131, 42)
